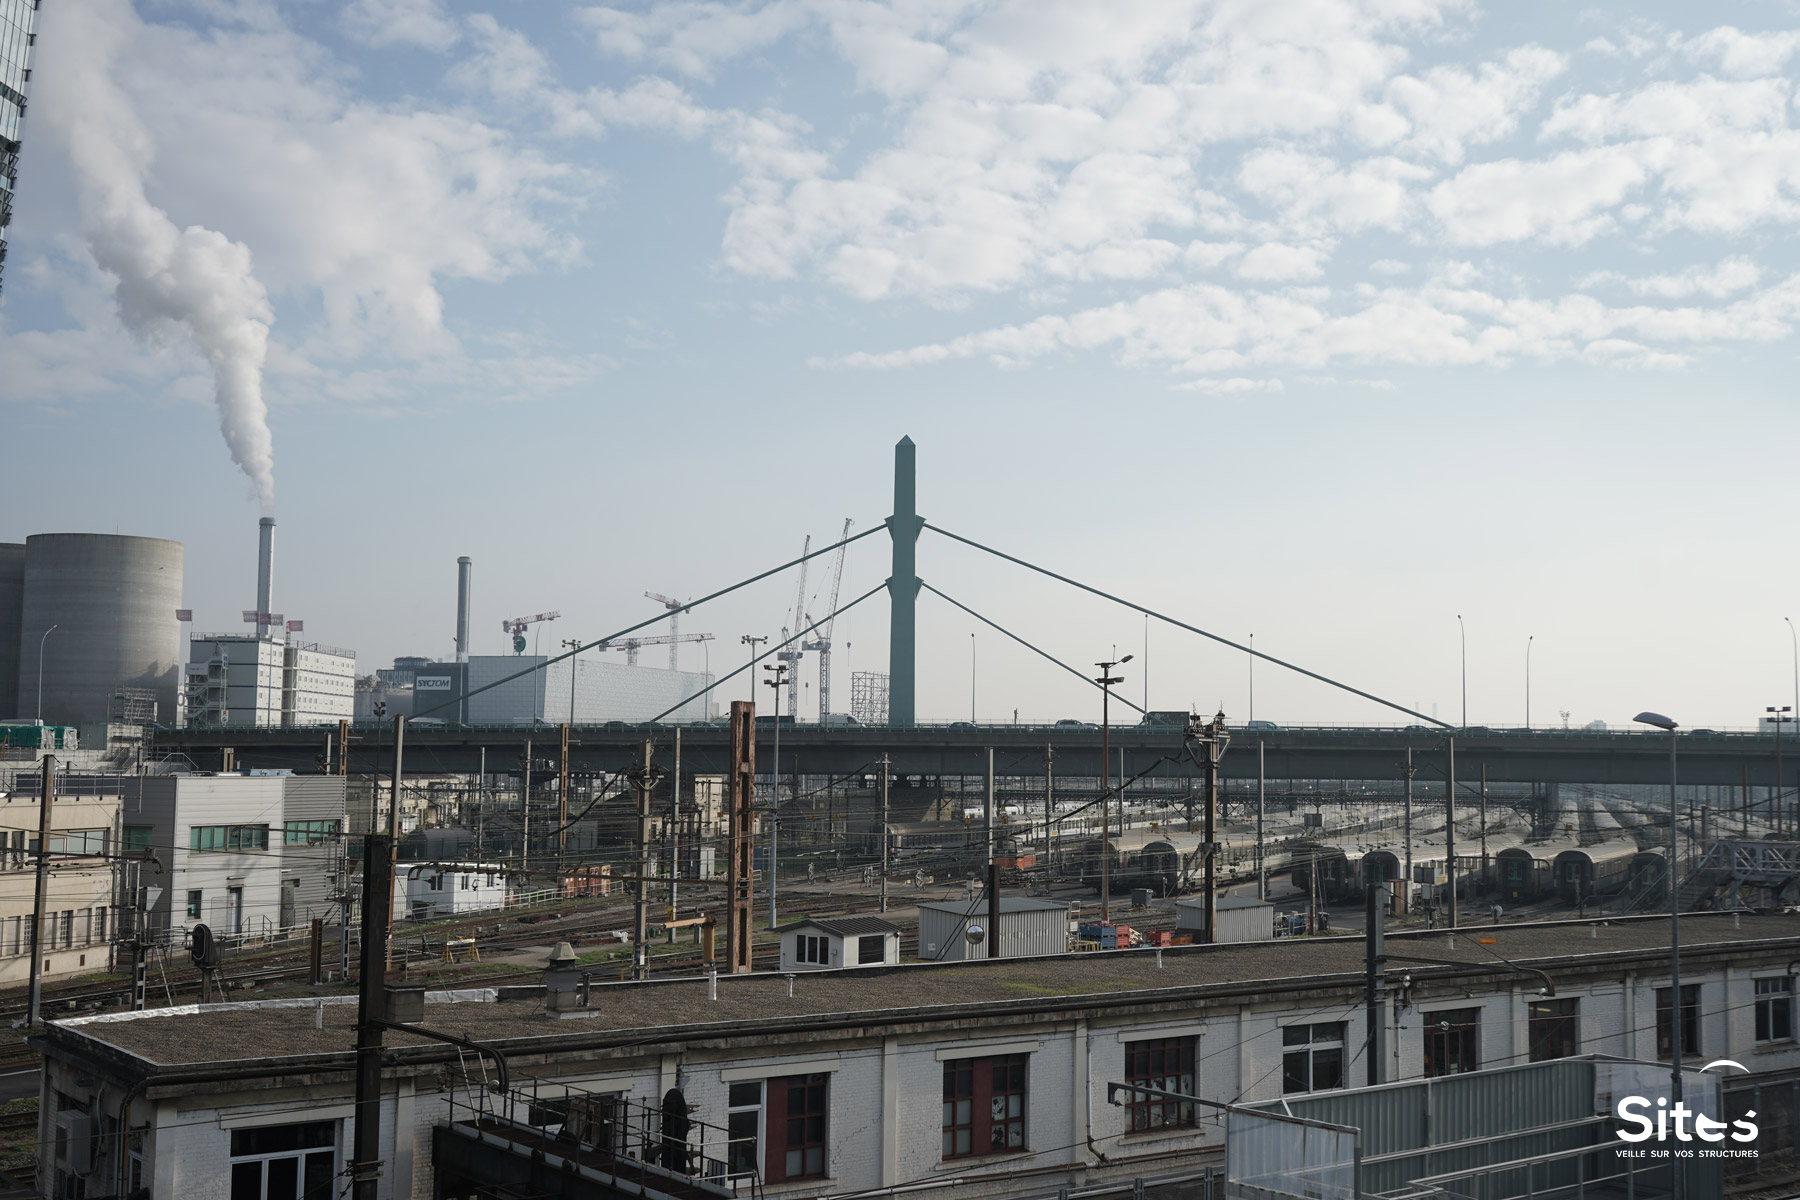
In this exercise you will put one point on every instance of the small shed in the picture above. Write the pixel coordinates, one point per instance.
(821, 943)
(445, 889)
(1241, 918)
(1027, 927)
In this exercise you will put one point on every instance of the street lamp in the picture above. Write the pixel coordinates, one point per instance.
(41, 641)
(1252, 717)
(1106, 680)
(778, 679)
(1528, 642)
(1464, 635)
(1674, 882)
(752, 642)
(971, 676)
(575, 645)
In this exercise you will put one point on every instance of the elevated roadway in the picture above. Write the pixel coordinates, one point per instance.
(1510, 756)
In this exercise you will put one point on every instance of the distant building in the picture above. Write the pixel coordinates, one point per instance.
(425, 891)
(80, 919)
(263, 681)
(18, 22)
(1241, 918)
(483, 692)
(1027, 927)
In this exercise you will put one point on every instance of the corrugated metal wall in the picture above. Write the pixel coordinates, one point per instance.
(1021, 933)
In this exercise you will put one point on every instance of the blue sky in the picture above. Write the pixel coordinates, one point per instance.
(1315, 319)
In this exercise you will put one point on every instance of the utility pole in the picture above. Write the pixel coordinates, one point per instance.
(993, 866)
(674, 838)
(1375, 950)
(1216, 740)
(1049, 810)
(778, 676)
(1262, 849)
(885, 764)
(387, 900)
(644, 777)
(1106, 680)
(41, 888)
(1406, 886)
(1484, 852)
(562, 802)
(525, 813)
(740, 870)
(378, 882)
(1450, 823)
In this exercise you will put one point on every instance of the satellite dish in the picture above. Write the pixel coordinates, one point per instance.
(975, 934)
(202, 948)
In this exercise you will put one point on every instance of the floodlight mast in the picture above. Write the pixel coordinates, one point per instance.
(1674, 883)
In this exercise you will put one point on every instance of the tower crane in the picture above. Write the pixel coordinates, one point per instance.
(822, 642)
(793, 656)
(517, 625)
(676, 608)
(630, 645)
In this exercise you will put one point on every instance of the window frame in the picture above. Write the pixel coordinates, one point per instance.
(1463, 1037)
(738, 1161)
(981, 1125)
(806, 945)
(1310, 1051)
(1553, 1035)
(228, 839)
(196, 903)
(863, 944)
(301, 1155)
(1690, 1020)
(1150, 1115)
(780, 1121)
(1768, 1004)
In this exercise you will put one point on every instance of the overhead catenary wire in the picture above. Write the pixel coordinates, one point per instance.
(1150, 612)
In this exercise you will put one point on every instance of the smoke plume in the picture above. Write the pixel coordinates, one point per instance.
(193, 280)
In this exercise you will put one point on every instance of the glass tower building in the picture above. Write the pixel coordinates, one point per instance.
(18, 25)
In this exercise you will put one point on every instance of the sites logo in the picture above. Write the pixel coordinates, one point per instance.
(1636, 1111)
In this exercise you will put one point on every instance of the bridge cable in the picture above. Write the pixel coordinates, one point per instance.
(611, 637)
(1015, 637)
(715, 684)
(1150, 612)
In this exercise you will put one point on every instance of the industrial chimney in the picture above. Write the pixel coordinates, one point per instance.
(464, 572)
(265, 569)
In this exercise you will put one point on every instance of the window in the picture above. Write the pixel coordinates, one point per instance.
(871, 948)
(193, 905)
(1690, 1021)
(100, 923)
(743, 1121)
(1552, 1029)
(67, 928)
(1312, 1058)
(797, 1106)
(285, 1161)
(984, 1105)
(136, 840)
(1451, 1047)
(1166, 1064)
(811, 949)
(310, 833)
(1775, 1009)
(228, 837)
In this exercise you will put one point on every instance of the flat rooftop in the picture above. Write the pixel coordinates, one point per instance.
(190, 1037)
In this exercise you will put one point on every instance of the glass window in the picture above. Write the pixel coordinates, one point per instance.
(1312, 1058)
(193, 905)
(797, 1130)
(1775, 1009)
(984, 1105)
(136, 839)
(310, 833)
(228, 837)
(1690, 1021)
(811, 949)
(1166, 1064)
(1451, 1041)
(284, 1162)
(871, 948)
(743, 1124)
(1552, 1028)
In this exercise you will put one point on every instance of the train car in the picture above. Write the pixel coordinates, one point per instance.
(1645, 872)
(1589, 871)
(1523, 873)
(1155, 865)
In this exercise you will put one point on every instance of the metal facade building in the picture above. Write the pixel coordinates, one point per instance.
(270, 682)
(12, 614)
(112, 601)
(18, 24)
(1027, 927)
(604, 691)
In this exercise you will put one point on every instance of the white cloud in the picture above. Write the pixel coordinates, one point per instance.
(1448, 109)
(1722, 279)
(421, 23)
(1564, 200)
(1743, 55)
(1274, 262)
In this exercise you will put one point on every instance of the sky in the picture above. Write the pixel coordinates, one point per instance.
(1325, 321)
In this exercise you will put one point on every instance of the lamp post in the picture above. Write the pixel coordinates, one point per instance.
(1675, 1009)
(971, 676)
(753, 643)
(1252, 716)
(1106, 680)
(575, 645)
(1528, 642)
(41, 641)
(777, 680)
(1463, 634)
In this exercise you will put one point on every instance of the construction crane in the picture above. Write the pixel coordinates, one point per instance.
(792, 657)
(517, 626)
(822, 643)
(676, 608)
(630, 645)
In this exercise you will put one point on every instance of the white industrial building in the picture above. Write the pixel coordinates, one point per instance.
(259, 681)
(80, 920)
(983, 1080)
(604, 691)
(426, 891)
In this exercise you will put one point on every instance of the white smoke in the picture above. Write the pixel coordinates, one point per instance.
(195, 279)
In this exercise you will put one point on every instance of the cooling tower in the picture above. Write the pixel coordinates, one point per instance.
(112, 600)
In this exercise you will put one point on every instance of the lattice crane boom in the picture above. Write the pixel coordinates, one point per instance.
(517, 626)
(630, 645)
(797, 615)
(676, 608)
(822, 643)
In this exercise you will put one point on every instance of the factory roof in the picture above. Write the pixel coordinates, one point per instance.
(996, 991)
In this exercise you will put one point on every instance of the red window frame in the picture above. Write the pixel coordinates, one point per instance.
(795, 1124)
(984, 1105)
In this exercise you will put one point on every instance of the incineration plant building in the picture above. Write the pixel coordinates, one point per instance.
(18, 33)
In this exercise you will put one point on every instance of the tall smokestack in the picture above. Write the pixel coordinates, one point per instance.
(265, 566)
(464, 572)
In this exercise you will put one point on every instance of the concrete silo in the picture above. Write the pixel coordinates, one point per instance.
(112, 600)
(12, 611)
